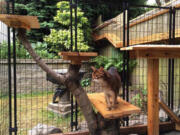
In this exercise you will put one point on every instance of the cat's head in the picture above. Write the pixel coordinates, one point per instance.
(99, 75)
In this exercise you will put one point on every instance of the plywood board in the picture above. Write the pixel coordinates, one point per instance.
(20, 21)
(122, 109)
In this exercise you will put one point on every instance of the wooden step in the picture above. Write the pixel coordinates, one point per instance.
(20, 21)
(122, 109)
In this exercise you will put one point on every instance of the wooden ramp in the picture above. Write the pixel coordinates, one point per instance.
(122, 109)
(171, 114)
(20, 21)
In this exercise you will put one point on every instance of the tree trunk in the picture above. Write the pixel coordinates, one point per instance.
(96, 123)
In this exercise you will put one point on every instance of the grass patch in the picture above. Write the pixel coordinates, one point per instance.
(34, 94)
(32, 110)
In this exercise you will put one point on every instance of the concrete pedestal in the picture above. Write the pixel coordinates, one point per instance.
(62, 109)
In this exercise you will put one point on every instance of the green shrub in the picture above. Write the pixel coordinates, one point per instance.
(60, 40)
(115, 62)
(21, 52)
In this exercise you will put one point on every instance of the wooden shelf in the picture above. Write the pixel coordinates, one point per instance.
(20, 21)
(122, 109)
(151, 47)
(77, 57)
(153, 51)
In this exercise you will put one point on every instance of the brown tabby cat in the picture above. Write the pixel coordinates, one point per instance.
(111, 83)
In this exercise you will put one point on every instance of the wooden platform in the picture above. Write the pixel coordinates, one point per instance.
(77, 57)
(20, 21)
(153, 51)
(149, 27)
(123, 108)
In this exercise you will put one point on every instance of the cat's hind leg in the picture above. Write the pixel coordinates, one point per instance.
(113, 97)
(108, 103)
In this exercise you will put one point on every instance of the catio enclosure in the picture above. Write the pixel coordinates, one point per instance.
(26, 91)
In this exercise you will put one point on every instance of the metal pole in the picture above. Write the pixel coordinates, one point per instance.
(169, 61)
(14, 64)
(76, 49)
(172, 74)
(127, 63)
(72, 112)
(76, 3)
(9, 75)
(71, 48)
(124, 44)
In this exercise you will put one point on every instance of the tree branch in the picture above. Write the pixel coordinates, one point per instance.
(22, 37)
(70, 80)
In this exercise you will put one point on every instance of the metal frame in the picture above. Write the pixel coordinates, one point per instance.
(73, 6)
(74, 124)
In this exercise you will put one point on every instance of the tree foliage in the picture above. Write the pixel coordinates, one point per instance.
(44, 9)
(60, 39)
(108, 8)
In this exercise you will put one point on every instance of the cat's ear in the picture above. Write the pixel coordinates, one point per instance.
(107, 74)
(101, 68)
(93, 68)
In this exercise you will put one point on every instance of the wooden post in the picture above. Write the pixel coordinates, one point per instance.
(153, 96)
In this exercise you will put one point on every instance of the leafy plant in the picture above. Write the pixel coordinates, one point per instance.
(21, 53)
(85, 82)
(44, 9)
(115, 62)
(140, 99)
(60, 40)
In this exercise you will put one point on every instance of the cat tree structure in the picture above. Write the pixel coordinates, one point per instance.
(97, 99)
(152, 53)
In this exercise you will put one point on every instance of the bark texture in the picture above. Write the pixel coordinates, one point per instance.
(96, 123)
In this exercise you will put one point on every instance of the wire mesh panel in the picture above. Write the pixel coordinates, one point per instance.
(4, 98)
(42, 104)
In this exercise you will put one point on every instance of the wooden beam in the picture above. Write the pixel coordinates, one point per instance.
(112, 38)
(105, 24)
(153, 98)
(153, 47)
(169, 112)
(86, 132)
(118, 43)
(154, 54)
(149, 17)
(142, 129)
(138, 129)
